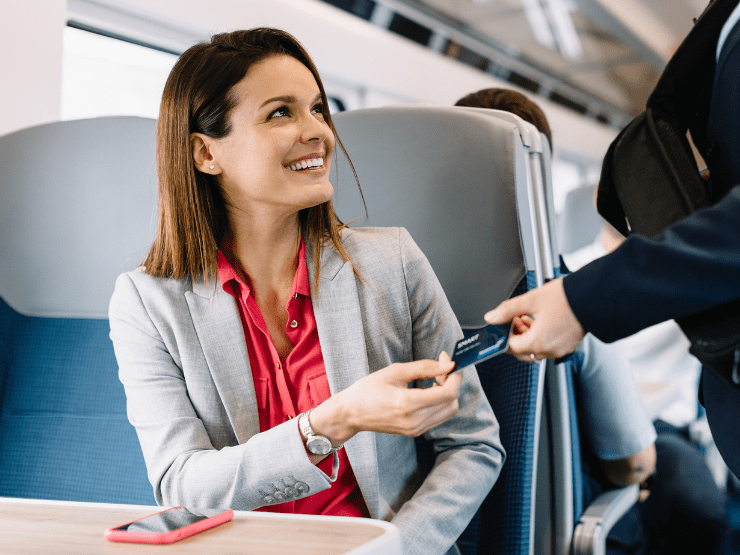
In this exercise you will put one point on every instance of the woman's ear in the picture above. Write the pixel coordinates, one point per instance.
(204, 162)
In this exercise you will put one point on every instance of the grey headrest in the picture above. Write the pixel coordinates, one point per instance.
(78, 207)
(449, 176)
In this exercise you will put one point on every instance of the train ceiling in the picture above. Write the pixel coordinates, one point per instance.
(614, 49)
(599, 57)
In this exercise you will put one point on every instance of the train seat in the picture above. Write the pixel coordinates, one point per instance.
(457, 180)
(78, 209)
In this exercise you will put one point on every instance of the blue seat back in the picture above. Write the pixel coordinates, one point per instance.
(64, 433)
(506, 516)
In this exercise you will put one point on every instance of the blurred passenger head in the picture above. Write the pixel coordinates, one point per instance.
(509, 101)
(199, 97)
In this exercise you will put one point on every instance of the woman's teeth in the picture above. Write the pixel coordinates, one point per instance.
(303, 164)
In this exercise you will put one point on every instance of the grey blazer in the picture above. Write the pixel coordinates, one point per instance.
(184, 365)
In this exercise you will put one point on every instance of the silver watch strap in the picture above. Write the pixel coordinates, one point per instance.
(305, 424)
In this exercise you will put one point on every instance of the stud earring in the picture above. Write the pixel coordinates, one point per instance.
(211, 166)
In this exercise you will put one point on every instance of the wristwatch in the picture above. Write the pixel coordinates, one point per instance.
(318, 445)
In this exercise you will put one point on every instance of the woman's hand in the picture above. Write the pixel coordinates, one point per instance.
(383, 402)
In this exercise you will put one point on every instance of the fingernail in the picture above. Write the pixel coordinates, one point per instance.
(490, 316)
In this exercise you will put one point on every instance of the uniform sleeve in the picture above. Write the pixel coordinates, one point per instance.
(614, 417)
(693, 265)
(192, 456)
(469, 454)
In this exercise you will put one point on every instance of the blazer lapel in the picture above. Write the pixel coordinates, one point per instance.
(219, 328)
(336, 308)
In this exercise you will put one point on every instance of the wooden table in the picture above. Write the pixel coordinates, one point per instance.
(30, 526)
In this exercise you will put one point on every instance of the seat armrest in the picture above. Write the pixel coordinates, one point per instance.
(590, 534)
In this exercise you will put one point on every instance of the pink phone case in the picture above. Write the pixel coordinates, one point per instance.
(167, 537)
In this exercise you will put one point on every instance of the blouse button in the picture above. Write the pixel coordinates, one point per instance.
(294, 324)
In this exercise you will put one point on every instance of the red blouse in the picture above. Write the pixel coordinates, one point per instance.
(289, 387)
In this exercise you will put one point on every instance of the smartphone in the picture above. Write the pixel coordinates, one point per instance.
(481, 344)
(168, 526)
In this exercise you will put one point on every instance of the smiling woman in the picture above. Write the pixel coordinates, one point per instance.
(255, 387)
(206, 95)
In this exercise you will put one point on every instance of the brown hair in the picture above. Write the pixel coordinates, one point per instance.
(192, 219)
(510, 101)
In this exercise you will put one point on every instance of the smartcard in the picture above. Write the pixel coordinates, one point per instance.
(481, 344)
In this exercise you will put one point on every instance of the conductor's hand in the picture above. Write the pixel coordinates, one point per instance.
(383, 402)
(544, 324)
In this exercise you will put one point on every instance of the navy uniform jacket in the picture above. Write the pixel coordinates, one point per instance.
(695, 263)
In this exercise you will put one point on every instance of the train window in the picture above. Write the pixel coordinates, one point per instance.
(524, 82)
(567, 102)
(104, 76)
(465, 55)
(361, 8)
(410, 29)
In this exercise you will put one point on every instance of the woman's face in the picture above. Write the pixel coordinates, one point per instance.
(276, 158)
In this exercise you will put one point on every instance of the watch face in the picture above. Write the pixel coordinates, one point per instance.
(319, 445)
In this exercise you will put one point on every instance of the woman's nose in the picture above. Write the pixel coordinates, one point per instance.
(314, 129)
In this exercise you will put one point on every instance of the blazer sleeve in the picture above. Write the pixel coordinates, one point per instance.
(187, 463)
(693, 265)
(469, 454)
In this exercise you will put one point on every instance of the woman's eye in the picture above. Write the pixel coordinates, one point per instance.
(280, 112)
(318, 109)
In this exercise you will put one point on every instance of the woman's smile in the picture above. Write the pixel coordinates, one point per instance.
(313, 163)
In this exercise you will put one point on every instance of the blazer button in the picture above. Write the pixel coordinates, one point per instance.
(302, 487)
(270, 500)
(280, 496)
(291, 491)
(294, 324)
